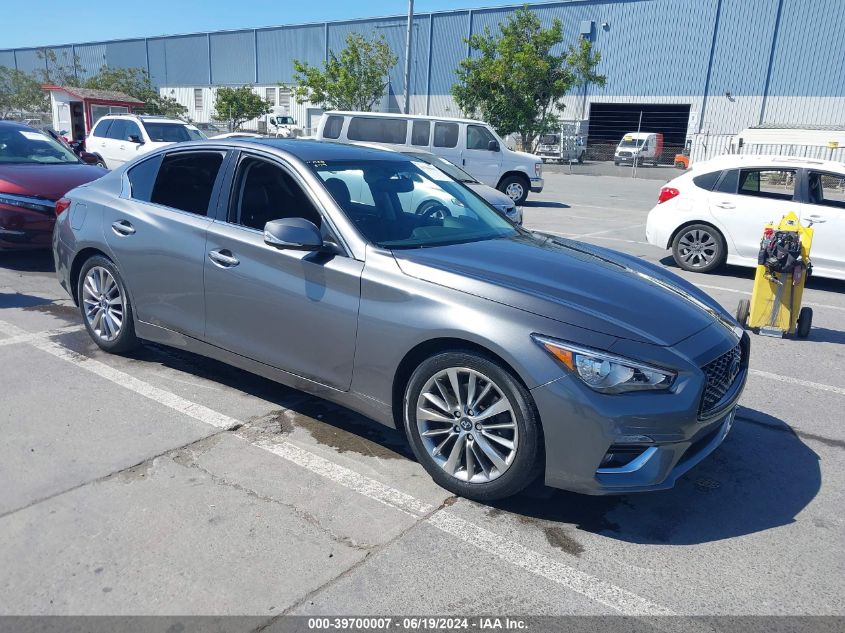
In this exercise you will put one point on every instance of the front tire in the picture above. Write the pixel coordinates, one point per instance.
(516, 188)
(699, 248)
(105, 306)
(473, 426)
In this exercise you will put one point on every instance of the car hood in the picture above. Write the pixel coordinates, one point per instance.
(571, 282)
(46, 181)
(493, 196)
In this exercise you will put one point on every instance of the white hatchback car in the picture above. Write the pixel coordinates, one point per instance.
(715, 213)
(118, 138)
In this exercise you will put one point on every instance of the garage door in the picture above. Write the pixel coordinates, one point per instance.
(609, 122)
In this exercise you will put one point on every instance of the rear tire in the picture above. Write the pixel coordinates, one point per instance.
(805, 322)
(468, 454)
(105, 306)
(699, 248)
(742, 312)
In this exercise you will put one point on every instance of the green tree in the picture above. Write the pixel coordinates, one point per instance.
(19, 91)
(516, 79)
(352, 80)
(62, 70)
(238, 105)
(135, 82)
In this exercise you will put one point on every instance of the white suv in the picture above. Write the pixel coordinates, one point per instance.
(118, 138)
(715, 213)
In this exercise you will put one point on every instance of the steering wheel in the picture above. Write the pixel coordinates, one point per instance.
(435, 210)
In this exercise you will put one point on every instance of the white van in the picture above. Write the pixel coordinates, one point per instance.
(642, 147)
(472, 145)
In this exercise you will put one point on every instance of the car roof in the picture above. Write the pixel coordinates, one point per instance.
(16, 125)
(308, 150)
(727, 161)
(143, 117)
(393, 115)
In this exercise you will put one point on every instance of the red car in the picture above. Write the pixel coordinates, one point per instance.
(35, 171)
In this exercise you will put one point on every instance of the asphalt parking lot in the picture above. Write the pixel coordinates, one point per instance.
(164, 483)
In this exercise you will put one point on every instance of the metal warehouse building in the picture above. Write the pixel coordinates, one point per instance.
(689, 66)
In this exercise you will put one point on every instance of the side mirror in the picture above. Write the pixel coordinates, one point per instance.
(88, 158)
(493, 146)
(134, 138)
(293, 233)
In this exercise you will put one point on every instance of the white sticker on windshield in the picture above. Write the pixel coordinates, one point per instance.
(33, 136)
(430, 170)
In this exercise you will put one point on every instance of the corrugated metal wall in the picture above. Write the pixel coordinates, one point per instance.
(736, 62)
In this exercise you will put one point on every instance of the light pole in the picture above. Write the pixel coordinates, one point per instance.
(408, 36)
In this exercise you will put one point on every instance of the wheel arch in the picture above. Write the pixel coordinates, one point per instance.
(519, 174)
(429, 348)
(687, 223)
(78, 261)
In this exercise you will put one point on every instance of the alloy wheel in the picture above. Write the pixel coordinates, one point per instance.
(103, 303)
(698, 248)
(467, 425)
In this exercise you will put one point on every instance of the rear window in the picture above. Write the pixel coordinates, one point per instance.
(445, 134)
(377, 130)
(186, 179)
(332, 127)
(707, 181)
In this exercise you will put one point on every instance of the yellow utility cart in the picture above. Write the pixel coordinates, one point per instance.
(783, 266)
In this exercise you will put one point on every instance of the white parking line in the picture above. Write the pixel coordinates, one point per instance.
(797, 381)
(29, 337)
(608, 594)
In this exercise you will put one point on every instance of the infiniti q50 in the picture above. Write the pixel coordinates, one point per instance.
(503, 354)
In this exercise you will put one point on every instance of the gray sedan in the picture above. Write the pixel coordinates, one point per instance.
(503, 354)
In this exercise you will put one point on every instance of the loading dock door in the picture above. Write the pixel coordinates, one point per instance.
(609, 122)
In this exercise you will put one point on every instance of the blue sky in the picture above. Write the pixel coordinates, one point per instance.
(110, 19)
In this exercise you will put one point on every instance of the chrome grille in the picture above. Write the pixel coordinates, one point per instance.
(720, 375)
(625, 154)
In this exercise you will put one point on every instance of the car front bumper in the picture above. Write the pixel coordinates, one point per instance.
(537, 185)
(662, 434)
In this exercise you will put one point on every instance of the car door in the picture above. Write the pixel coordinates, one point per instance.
(114, 141)
(824, 206)
(157, 230)
(132, 144)
(745, 200)
(293, 310)
(479, 159)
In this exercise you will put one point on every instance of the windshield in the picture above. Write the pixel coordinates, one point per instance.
(633, 142)
(409, 204)
(450, 169)
(171, 132)
(32, 146)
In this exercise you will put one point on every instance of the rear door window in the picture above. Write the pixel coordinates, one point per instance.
(185, 180)
(777, 184)
(377, 130)
(445, 134)
(117, 130)
(102, 128)
(142, 178)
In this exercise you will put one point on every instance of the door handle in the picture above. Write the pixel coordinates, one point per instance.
(122, 147)
(223, 258)
(122, 227)
(816, 219)
(725, 205)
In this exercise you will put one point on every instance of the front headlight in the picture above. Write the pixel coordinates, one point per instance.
(605, 372)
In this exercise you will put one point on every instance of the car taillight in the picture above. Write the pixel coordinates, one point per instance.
(61, 205)
(667, 193)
